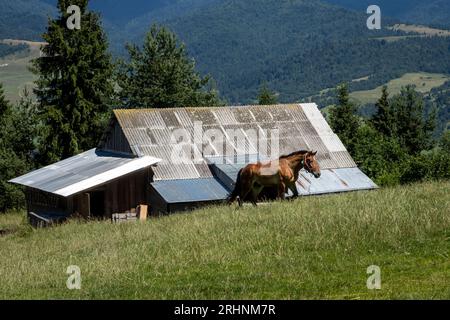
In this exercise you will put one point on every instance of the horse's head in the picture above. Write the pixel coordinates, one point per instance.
(311, 164)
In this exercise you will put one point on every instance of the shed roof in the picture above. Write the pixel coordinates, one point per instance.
(191, 190)
(301, 126)
(82, 172)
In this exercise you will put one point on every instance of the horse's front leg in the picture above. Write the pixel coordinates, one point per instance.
(294, 190)
(281, 191)
(255, 193)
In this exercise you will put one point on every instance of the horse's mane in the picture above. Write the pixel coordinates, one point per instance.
(295, 153)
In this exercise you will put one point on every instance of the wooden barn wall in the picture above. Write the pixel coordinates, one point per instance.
(158, 206)
(43, 202)
(126, 193)
(116, 140)
(121, 195)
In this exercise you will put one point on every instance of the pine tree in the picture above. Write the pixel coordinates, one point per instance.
(413, 130)
(343, 118)
(74, 87)
(160, 75)
(383, 119)
(26, 126)
(12, 164)
(266, 97)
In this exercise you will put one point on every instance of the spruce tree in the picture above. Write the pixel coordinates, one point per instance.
(266, 97)
(343, 118)
(74, 86)
(160, 75)
(383, 119)
(12, 161)
(413, 130)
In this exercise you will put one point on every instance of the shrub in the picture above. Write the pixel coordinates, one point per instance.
(431, 165)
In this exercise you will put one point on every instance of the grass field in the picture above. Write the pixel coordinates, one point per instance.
(417, 31)
(16, 76)
(317, 247)
(423, 81)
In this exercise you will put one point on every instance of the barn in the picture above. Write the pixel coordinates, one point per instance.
(178, 159)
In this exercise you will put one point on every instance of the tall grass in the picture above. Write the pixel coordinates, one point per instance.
(316, 247)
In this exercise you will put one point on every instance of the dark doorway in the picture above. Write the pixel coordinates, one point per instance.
(97, 203)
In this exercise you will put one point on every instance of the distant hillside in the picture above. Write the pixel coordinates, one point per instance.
(23, 19)
(435, 12)
(296, 47)
(6, 49)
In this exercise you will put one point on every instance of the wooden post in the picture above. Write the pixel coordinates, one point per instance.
(85, 209)
(142, 212)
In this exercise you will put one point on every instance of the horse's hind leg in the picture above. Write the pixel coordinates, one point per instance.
(246, 189)
(281, 191)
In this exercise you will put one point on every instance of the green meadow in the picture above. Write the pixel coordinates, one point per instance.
(311, 248)
(424, 83)
(15, 74)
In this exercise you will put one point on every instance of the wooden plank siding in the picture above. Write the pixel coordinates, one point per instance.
(116, 140)
(120, 196)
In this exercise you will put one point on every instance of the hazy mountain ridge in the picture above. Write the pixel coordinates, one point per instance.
(297, 47)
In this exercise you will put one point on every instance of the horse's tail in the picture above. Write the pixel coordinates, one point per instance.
(237, 189)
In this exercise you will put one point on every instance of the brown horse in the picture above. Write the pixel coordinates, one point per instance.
(279, 173)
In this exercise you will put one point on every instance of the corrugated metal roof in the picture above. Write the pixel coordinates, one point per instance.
(82, 172)
(334, 180)
(301, 126)
(191, 190)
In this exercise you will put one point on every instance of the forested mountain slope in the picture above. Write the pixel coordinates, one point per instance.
(23, 19)
(436, 12)
(297, 47)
